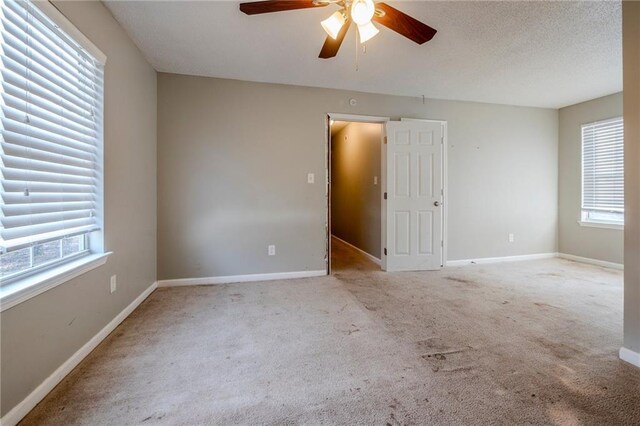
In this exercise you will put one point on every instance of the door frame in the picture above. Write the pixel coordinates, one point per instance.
(360, 119)
(383, 179)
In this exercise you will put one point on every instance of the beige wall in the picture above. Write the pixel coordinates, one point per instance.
(593, 243)
(355, 198)
(233, 159)
(631, 53)
(43, 332)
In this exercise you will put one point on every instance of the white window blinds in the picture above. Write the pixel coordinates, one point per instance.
(603, 167)
(51, 123)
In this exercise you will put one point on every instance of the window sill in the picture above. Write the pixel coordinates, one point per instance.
(24, 289)
(601, 225)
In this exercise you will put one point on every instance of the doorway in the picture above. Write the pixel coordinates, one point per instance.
(355, 176)
(386, 187)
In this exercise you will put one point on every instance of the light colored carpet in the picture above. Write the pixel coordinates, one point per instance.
(516, 343)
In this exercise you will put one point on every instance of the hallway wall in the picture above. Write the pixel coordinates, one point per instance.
(355, 196)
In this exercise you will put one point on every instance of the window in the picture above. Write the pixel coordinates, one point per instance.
(51, 147)
(603, 173)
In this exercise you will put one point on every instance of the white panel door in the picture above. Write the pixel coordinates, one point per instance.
(414, 152)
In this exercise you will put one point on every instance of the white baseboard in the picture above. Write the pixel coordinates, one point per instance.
(485, 260)
(22, 409)
(369, 256)
(591, 261)
(240, 278)
(630, 356)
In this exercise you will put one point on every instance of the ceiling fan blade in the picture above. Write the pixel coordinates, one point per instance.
(257, 7)
(404, 24)
(331, 46)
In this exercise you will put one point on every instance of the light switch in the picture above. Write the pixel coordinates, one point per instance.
(311, 178)
(375, 180)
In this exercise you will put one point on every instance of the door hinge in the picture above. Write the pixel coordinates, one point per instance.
(385, 251)
(385, 140)
(385, 195)
(442, 243)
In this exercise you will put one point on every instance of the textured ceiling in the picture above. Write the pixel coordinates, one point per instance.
(535, 53)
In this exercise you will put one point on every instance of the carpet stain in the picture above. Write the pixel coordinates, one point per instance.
(548, 274)
(461, 281)
(236, 297)
(458, 369)
(544, 305)
(559, 350)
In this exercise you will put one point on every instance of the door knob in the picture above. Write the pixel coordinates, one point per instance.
(436, 203)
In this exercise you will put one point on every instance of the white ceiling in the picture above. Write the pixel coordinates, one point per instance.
(535, 53)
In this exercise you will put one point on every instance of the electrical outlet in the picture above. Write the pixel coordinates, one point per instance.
(271, 250)
(311, 178)
(113, 284)
(511, 238)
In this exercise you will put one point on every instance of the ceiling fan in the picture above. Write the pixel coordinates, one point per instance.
(362, 12)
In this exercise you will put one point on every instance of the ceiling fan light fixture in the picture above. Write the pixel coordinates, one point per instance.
(362, 11)
(333, 24)
(367, 31)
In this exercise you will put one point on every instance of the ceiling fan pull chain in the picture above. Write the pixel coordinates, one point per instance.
(357, 36)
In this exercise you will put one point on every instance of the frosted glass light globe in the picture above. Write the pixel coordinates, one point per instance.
(333, 24)
(362, 11)
(367, 31)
